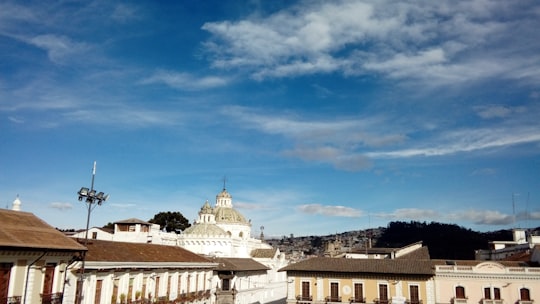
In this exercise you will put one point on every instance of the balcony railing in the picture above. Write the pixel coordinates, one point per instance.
(383, 301)
(331, 299)
(357, 300)
(525, 301)
(459, 301)
(492, 301)
(413, 302)
(303, 299)
(51, 298)
(11, 300)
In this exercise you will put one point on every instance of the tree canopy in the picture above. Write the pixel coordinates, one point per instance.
(444, 241)
(170, 221)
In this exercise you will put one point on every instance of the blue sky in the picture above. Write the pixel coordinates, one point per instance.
(323, 116)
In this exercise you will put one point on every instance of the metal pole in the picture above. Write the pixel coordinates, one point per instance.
(89, 202)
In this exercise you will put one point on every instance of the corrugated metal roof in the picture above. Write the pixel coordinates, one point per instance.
(20, 229)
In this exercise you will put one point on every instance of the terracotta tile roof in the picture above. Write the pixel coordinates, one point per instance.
(386, 266)
(263, 253)
(109, 251)
(20, 229)
(238, 264)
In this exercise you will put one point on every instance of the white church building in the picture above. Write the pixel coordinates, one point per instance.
(221, 231)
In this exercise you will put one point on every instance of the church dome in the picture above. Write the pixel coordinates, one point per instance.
(224, 194)
(206, 209)
(229, 215)
(205, 229)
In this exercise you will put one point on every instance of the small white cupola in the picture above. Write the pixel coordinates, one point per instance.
(16, 205)
(206, 215)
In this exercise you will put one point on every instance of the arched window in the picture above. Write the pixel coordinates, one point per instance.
(460, 292)
(524, 294)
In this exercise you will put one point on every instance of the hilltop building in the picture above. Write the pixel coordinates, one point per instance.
(522, 243)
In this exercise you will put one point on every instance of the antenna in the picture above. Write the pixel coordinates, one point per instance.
(513, 210)
(527, 209)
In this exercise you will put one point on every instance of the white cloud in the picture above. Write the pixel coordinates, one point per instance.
(340, 211)
(410, 214)
(435, 43)
(185, 81)
(16, 119)
(498, 111)
(484, 217)
(58, 48)
(61, 206)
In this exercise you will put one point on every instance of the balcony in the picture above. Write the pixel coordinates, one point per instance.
(413, 302)
(332, 299)
(51, 298)
(357, 300)
(490, 301)
(459, 301)
(381, 301)
(525, 301)
(11, 300)
(304, 299)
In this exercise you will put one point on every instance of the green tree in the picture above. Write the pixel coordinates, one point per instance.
(170, 221)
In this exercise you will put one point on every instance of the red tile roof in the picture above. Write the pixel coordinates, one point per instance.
(20, 229)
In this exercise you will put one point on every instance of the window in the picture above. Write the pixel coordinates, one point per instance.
(524, 294)
(496, 293)
(334, 292)
(305, 291)
(487, 293)
(383, 294)
(94, 235)
(460, 292)
(97, 294)
(225, 284)
(5, 272)
(414, 294)
(49, 279)
(358, 293)
(492, 293)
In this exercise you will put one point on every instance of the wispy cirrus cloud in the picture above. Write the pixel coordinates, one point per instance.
(466, 140)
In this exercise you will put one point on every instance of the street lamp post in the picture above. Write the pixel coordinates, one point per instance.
(92, 199)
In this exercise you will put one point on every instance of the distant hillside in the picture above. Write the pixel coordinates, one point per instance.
(444, 241)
